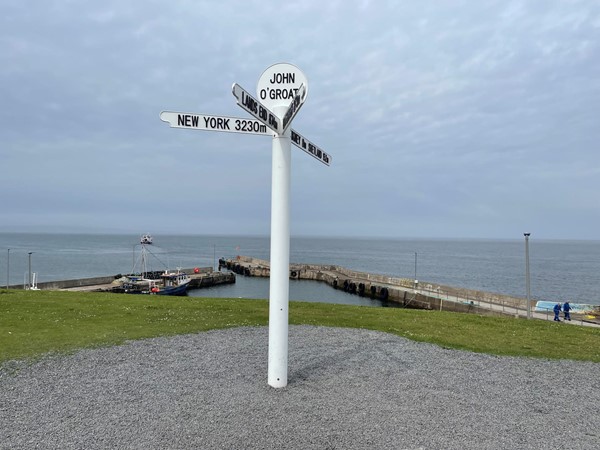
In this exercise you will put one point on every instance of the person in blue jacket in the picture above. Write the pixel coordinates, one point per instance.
(557, 312)
(567, 309)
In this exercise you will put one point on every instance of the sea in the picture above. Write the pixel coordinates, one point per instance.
(559, 269)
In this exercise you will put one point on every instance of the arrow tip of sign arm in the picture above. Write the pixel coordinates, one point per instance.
(302, 92)
(163, 116)
(233, 86)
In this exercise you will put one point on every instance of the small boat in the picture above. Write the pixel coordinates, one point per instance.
(167, 283)
(172, 284)
(153, 282)
(146, 239)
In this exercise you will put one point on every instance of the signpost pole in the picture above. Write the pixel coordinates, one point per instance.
(281, 92)
(280, 259)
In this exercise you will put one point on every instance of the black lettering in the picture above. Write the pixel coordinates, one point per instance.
(291, 110)
(187, 120)
(262, 113)
(195, 121)
(226, 124)
(206, 119)
(250, 103)
(180, 120)
(280, 78)
(237, 124)
(273, 122)
(281, 94)
(295, 137)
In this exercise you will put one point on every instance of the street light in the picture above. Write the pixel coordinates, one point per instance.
(527, 274)
(7, 267)
(29, 287)
(416, 282)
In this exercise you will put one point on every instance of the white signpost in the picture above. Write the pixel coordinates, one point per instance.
(214, 123)
(282, 90)
(279, 84)
(208, 122)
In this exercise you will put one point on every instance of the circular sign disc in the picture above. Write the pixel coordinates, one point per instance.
(278, 85)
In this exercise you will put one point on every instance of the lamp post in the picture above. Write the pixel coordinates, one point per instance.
(416, 281)
(7, 268)
(30, 253)
(527, 274)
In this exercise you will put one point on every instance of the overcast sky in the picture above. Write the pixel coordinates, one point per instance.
(443, 118)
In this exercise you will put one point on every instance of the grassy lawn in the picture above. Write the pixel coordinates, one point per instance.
(33, 323)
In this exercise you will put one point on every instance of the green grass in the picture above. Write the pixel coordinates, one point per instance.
(36, 323)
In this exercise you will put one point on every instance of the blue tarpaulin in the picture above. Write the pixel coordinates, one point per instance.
(542, 306)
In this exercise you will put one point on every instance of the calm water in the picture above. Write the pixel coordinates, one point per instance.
(305, 290)
(559, 269)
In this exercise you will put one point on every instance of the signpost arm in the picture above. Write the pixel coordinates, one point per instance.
(280, 259)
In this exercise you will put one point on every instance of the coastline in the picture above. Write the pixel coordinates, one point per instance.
(559, 270)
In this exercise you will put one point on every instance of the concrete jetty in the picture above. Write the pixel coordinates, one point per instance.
(400, 291)
(200, 277)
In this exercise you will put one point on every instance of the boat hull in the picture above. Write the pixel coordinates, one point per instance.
(173, 290)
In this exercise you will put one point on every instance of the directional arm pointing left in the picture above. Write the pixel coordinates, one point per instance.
(257, 109)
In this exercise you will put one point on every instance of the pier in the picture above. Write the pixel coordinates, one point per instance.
(403, 292)
(200, 278)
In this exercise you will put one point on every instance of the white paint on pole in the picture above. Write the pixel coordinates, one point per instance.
(304, 144)
(277, 89)
(279, 84)
(279, 283)
(215, 123)
(254, 107)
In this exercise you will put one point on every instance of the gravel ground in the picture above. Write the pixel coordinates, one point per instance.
(348, 389)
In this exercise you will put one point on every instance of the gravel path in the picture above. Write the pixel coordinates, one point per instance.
(348, 389)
